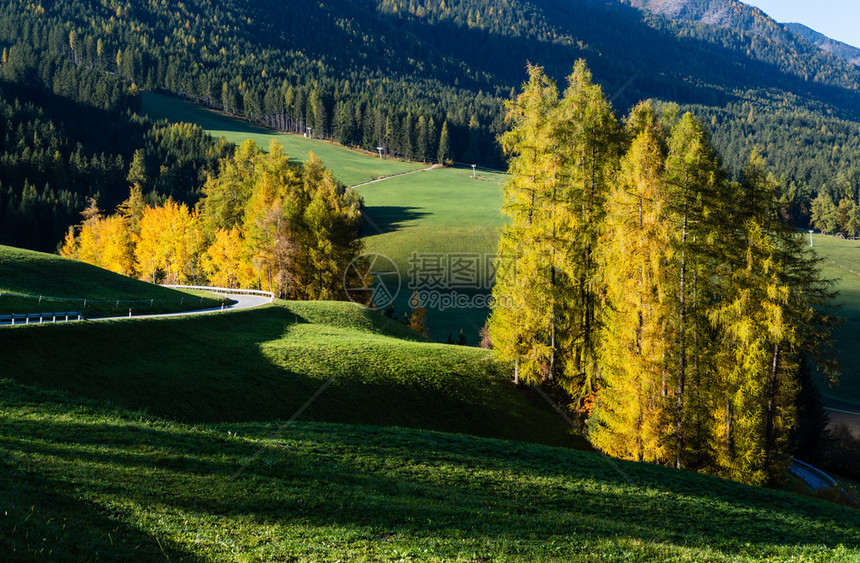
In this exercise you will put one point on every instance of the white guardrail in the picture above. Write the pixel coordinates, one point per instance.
(224, 290)
(40, 318)
(816, 479)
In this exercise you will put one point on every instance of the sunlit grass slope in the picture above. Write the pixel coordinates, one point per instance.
(350, 167)
(81, 481)
(50, 283)
(440, 210)
(444, 213)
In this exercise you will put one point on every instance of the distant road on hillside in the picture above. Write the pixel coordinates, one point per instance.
(843, 414)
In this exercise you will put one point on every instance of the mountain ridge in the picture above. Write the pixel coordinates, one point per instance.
(838, 48)
(733, 14)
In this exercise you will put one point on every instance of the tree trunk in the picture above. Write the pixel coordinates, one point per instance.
(682, 348)
(729, 442)
(517, 371)
(770, 415)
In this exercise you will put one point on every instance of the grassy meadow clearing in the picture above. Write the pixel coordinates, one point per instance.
(349, 166)
(427, 221)
(843, 265)
(441, 211)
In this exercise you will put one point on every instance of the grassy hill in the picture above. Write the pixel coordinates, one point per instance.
(34, 282)
(165, 439)
(81, 481)
(350, 167)
(263, 364)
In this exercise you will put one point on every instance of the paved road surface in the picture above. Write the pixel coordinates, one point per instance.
(241, 302)
(843, 414)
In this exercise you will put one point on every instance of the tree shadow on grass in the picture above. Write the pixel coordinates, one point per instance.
(413, 485)
(218, 369)
(380, 219)
(46, 519)
(385, 482)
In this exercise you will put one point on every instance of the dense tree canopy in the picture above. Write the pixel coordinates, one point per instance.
(263, 222)
(683, 299)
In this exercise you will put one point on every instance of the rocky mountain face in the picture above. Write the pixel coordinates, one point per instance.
(724, 13)
(748, 19)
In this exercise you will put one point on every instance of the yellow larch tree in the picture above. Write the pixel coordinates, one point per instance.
(630, 418)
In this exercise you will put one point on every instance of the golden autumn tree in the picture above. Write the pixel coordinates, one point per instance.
(631, 416)
(587, 147)
(770, 312)
(169, 243)
(225, 262)
(331, 218)
(264, 221)
(696, 191)
(299, 226)
(520, 324)
(101, 241)
(672, 306)
(563, 159)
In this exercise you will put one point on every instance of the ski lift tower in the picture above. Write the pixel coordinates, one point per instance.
(380, 149)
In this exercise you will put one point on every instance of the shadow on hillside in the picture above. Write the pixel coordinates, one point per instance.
(228, 368)
(46, 518)
(406, 485)
(162, 105)
(381, 219)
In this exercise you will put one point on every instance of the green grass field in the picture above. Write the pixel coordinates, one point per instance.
(34, 282)
(80, 481)
(441, 217)
(844, 256)
(263, 364)
(443, 211)
(350, 167)
(154, 439)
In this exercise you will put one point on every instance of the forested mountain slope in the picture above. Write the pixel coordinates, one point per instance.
(450, 61)
(67, 133)
(427, 79)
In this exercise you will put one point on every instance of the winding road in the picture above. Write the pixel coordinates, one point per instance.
(242, 301)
